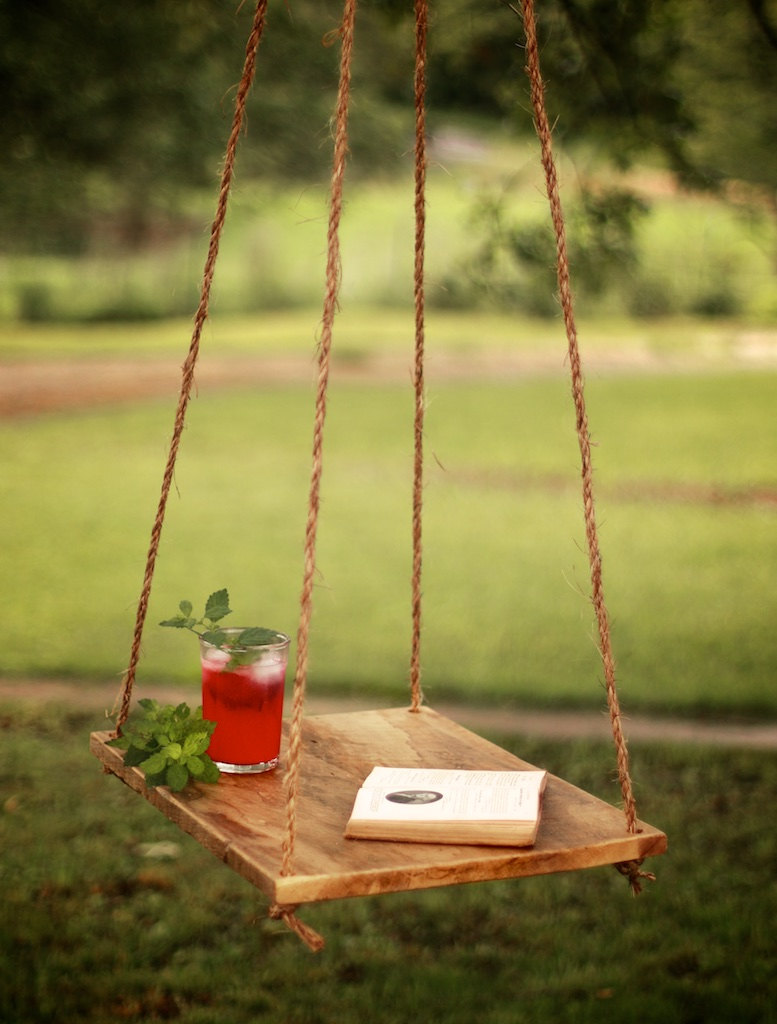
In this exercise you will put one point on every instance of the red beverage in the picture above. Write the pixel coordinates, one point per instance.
(246, 702)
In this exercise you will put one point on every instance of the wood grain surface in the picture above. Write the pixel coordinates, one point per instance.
(242, 819)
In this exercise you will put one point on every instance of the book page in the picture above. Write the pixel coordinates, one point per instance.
(383, 777)
(407, 794)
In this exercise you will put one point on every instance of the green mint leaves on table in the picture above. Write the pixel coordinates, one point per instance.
(169, 745)
(216, 609)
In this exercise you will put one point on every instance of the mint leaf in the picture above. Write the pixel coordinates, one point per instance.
(135, 755)
(238, 658)
(216, 637)
(211, 773)
(217, 606)
(195, 765)
(154, 764)
(255, 637)
(186, 608)
(176, 777)
(196, 743)
(169, 744)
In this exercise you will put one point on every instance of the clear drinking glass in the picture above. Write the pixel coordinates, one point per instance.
(242, 691)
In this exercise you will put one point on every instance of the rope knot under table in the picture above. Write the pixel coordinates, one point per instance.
(287, 914)
(632, 869)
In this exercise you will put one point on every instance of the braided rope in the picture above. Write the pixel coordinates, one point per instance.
(333, 271)
(330, 308)
(421, 15)
(124, 697)
(311, 938)
(605, 646)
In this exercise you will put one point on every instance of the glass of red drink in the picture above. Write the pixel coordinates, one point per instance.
(242, 691)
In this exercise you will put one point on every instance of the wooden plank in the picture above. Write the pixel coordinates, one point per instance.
(242, 820)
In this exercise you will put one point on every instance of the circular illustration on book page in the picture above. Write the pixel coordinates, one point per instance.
(414, 796)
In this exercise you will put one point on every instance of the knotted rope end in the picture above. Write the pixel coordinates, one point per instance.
(632, 869)
(309, 936)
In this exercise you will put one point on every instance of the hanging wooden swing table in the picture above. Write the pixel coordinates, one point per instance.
(243, 819)
(284, 830)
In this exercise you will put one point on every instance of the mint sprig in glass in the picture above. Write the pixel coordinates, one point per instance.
(207, 628)
(243, 678)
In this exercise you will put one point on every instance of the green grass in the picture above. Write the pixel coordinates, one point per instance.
(687, 549)
(360, 331)
(94, 927)
(364, 330)
(99, 923)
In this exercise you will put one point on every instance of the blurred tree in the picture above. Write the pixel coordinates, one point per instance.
(513, 264)
(691, 80)
(104, 105)
(686, 84)
(729, 78)
(112, 111)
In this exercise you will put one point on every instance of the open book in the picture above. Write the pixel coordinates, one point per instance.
(445, 805)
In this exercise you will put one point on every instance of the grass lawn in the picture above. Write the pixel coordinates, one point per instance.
(364, 329)
(109, 913)
(687, 542)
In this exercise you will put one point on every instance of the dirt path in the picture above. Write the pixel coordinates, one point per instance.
(547, 724)
(31, 387)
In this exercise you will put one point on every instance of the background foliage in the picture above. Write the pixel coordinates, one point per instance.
(113, 111)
